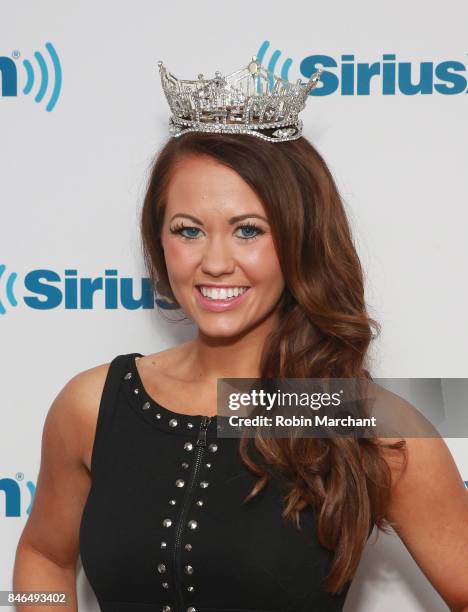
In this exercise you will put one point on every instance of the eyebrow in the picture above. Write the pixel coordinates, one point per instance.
(232, 220)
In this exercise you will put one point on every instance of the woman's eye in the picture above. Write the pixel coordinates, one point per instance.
(249, 228)
(250, 231)
(182, 228)
(192, 232)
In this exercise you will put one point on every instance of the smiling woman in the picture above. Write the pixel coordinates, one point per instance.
(304, 310)
(251, 241)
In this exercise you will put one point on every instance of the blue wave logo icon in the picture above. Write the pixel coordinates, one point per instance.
(45, 77)
(10, 280)
(347, 76)
(271, 66)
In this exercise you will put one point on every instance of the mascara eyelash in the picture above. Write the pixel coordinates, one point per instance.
(179, 228)
(176, 229)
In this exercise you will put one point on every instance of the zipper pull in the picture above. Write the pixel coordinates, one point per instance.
(201, 440)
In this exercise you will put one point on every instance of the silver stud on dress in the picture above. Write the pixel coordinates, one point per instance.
(192, 524)
(128, 376)
(136, 390)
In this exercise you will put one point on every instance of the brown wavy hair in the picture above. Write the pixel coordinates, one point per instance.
(324, 330)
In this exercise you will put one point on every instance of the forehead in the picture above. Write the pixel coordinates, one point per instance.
(204, 182)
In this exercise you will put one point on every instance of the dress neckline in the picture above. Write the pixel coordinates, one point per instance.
(158, 415)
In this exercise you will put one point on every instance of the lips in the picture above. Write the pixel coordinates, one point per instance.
(241, 288)
(218, 305)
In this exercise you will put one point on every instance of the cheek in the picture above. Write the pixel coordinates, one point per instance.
(180, 260)
(261, 263)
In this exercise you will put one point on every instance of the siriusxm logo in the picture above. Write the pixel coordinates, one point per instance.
(49, 290)
(12, 489)
(49, 79)
(389, 76)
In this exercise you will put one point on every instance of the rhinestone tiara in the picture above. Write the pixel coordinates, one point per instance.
(251, 100)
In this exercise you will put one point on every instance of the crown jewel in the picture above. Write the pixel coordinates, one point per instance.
(251, 100)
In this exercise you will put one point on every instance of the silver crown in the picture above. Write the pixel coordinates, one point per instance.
(251, 100)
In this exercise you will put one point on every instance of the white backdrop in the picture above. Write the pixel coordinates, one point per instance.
(74, 158)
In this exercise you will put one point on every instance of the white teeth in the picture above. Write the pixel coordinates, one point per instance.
(223, 293)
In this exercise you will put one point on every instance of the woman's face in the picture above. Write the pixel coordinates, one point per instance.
(217, 240)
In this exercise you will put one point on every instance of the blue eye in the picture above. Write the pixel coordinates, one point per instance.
(249, 227)
(178, 229)
(189, 229)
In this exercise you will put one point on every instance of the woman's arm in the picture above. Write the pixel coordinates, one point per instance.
(429, 511)
(49, 545)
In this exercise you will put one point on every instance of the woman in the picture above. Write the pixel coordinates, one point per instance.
(166, 514)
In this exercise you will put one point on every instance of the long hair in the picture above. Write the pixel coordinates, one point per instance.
(324, 330)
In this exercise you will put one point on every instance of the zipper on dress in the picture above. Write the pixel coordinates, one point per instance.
(177, 569)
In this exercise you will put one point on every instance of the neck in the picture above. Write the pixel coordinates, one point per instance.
(232, 357)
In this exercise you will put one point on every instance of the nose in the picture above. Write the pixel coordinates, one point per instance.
(217, 257)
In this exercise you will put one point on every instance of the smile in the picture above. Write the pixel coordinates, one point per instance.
(222, 293)
(220, 299)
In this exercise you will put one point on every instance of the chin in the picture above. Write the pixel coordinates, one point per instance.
(222, 331)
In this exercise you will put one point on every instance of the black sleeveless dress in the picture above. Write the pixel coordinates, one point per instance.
(164, 528)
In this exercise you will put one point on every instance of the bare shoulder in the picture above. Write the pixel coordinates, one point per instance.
(74, 411)
(425, 467)
(408, 440)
